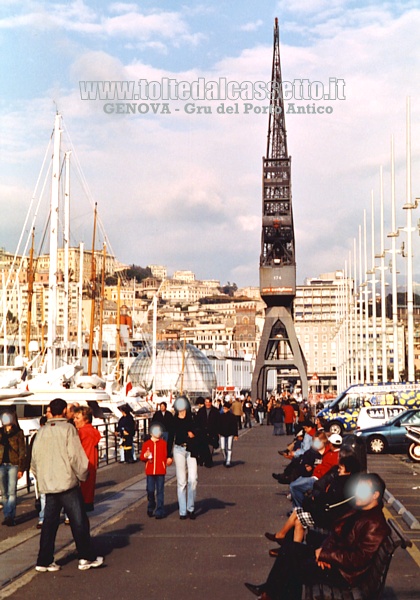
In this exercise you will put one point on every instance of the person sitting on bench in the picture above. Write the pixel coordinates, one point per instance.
(345, 556)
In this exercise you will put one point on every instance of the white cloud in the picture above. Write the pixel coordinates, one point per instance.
(251, 26)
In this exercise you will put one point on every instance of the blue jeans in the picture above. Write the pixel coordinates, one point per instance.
(42, 511)
(186, 478)
(72, 502)
(8, 488)
(299, 487)
(247, 421)
(155, 484)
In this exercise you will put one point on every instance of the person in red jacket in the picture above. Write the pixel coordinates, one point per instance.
(289, 416)
(155, 454)
(89, 437)
(328, 459)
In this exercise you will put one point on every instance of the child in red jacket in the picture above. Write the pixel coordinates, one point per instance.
(155, 454)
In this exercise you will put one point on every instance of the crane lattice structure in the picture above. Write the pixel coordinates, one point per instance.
(279, 347)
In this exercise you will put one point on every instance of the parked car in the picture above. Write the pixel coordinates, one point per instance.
(391, 436)
(372, 416)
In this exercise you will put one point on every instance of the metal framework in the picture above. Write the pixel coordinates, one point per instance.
(279, 347)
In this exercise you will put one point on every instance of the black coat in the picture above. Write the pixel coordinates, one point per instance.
(208, 423)
(228, 425)
(165, 419)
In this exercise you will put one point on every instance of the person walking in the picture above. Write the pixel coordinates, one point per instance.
(184, 450)
(207, 420)
(126, 428)
(289, 416)
(277, 419)
(12, 465)
(259, 410)
(237, 411)
(154, 453)
(90, 438)
(59, 464)
(228, 431)
(248, 409)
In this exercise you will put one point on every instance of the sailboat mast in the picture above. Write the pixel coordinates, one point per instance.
(80, 303)
(66, 249)
(93, 289)
(30, 294)
(52, 281)
(101, 312)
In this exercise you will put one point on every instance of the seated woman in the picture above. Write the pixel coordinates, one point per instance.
(323, 509)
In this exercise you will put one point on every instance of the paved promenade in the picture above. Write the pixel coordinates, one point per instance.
(170, 559)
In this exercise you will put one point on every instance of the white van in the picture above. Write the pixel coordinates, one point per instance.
(370, 416)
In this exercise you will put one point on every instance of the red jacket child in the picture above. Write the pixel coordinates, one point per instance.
(155, 454)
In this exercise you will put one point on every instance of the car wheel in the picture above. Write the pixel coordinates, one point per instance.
(336, 427)
(376, 445)
(414, 452)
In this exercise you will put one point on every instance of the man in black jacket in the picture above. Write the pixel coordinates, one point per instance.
(208, 423)
(345, 556)
(165, 418)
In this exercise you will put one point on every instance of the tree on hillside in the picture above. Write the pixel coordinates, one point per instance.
(229, 288)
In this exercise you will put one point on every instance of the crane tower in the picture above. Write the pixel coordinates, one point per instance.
(279, 347)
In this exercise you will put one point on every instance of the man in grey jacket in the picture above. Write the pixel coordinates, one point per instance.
(59, 463)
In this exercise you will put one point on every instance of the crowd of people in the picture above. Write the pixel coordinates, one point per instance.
(336, 507)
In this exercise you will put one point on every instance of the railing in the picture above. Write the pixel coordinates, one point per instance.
(109, 449)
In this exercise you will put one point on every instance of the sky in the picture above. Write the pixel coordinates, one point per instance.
(180, 184)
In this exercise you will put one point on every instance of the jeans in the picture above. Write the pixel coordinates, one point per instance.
(289, 428)
(260, 415)
(73, 504)
(155, 485)
(8, 488)
(226, 443)
(278, 429)
(299, 487)
(247, 421)
(41, 513)
(186, 477)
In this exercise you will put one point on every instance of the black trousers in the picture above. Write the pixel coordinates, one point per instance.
(72, 502)
(295, 566)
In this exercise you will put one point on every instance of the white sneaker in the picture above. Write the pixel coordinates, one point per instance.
(51, 568)
(84, 564)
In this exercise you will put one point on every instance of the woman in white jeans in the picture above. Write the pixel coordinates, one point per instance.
(185, 457)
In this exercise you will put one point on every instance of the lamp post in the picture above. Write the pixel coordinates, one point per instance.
(361, 284)
(409, 207)
(383, 298)
(366, 299)
(356, 337)
(393, 235)
(373, 281)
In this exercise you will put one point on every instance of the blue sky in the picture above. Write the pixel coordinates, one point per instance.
(184, 190)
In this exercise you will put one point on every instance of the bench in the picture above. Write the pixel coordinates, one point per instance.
(374, 581)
